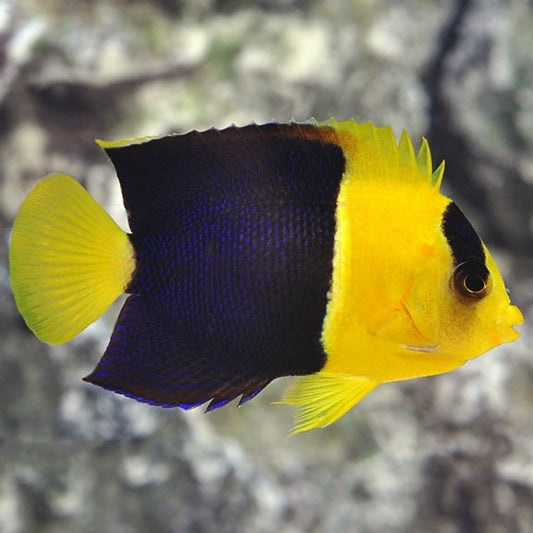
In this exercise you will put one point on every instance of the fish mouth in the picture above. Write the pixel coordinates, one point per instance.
(513, 318)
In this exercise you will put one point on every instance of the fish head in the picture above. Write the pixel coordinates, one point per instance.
(479, 313)
(459, 304)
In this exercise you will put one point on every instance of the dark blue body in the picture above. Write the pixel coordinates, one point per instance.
(233, 232)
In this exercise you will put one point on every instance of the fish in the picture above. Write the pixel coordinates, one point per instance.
(321, 249)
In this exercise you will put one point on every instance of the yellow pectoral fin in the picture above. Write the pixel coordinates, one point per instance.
(399, 326)
(322, 398)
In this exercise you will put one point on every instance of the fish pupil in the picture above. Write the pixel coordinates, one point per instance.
(474, 283)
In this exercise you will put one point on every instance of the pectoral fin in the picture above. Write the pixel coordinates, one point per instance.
(322, 398)
(400, 327)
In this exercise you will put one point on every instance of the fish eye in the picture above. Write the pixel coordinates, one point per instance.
(471, 280)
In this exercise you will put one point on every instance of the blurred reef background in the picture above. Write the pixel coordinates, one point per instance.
(446, 454)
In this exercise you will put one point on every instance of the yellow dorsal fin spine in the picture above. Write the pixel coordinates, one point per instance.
(322, 398)
(423, 160)
(438, 175)
(68, 259)
(373, 153)
(406, 156)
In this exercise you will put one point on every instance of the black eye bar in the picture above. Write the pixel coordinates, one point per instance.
(462, 238)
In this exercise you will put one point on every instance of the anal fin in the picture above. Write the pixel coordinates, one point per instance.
(322, 398)
(152, 362)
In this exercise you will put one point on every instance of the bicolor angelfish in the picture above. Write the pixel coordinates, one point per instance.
(322, 250)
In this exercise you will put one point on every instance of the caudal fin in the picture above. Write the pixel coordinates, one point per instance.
(68, 259)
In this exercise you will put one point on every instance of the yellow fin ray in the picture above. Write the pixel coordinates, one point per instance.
(406, 155)
(423, 160)
(322, 398)
(438, 175)
(68, 259)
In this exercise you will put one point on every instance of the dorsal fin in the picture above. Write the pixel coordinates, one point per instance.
(159, 173)
(171, 178)
(373, 153)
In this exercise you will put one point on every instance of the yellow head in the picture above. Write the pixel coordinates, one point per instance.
(462, 290)
(414, 290)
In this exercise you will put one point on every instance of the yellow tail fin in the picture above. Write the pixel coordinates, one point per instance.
(68, 259)
(322, 398)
